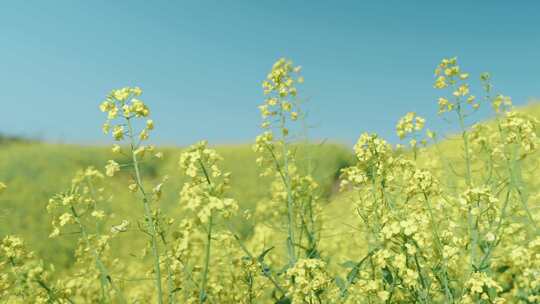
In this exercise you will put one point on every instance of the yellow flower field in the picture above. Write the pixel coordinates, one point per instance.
(439, 218)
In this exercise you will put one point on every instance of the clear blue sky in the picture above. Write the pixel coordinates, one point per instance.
(200, 63)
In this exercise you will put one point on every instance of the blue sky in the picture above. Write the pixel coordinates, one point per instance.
(201, 63)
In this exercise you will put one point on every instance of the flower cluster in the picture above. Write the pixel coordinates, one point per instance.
(501, 103)
(281, 106)
(375, 158)
(203, 193)
(449, 75)
(409, 124)
(79, 202)
(520, 130)
(310, 280)
(125, 103)
(280, 89)
(24, 278)
(480, 289)
(83, 208)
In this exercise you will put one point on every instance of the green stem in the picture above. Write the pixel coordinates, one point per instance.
(485, 259)
(202, 294)
(290, 211)
(148, 215)
(102, 271)
(435, 230)
(311, 232)
(170, 285)
(465, 137)
(425, 296)
(468, 178)
(265, 269)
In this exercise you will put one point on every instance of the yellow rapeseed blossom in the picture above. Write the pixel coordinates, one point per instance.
(203, 194)
(479, 287)
(280, 89)
(111, 168)
(409, 124)
(453, 79)
(310, 280)
(456, 223)
(116, 149)
(118, 132)
(501, 103)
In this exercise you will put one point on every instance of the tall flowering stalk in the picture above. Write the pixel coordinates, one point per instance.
(203, 195)
(518, 140)
(277, 111)
(395, 223)
(294, 194)
(124, 107)
(410, 127)
(450, 76)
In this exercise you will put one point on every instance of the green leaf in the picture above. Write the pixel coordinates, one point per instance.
(284, 300)
(349, 264)
(261, 256)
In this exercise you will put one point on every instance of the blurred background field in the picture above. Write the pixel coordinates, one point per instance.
(35, 171)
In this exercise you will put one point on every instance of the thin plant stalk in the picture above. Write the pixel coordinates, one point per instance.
(468, 180)
(202, 294)
(148, 215)
(286, 181)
